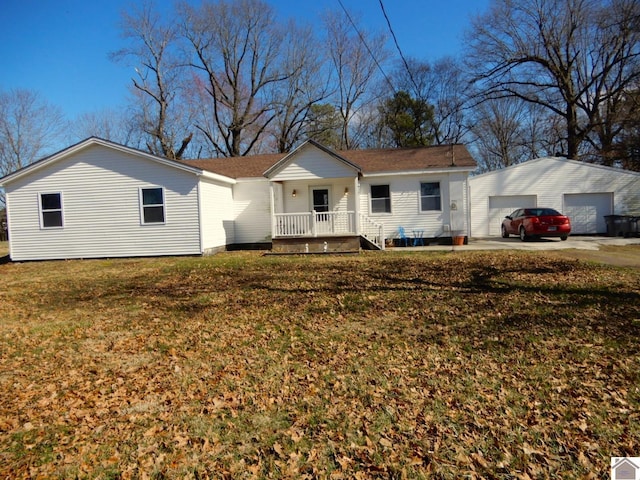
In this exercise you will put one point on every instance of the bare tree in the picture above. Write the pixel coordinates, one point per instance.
(570, 56)
(630, 138)
(499, 133)
(444, 86)
(355, 56)
(617, 30)
(30, 128)
(237, 49)
(308, 85)
(542, 130)
(157, 82)
(110, 124)
(507, 130)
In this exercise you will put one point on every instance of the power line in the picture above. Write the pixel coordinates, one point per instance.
(366, 46)
(395, 40)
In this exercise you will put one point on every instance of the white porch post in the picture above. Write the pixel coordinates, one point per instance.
(314, 232)
(356, 203)
(272, 209)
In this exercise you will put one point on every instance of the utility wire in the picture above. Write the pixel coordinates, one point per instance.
(395, 40)
(366, 46)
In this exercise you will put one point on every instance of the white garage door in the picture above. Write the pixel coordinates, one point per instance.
(501, 206)
(587, 211)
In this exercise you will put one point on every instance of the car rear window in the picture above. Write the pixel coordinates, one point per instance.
(541, 212)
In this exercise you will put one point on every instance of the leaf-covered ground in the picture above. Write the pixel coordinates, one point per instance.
(430, 365)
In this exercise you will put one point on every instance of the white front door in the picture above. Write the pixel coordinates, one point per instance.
(320, 204)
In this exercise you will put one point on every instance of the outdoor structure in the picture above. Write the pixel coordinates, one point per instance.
(624, 469)
(99, 199)
(586, 193)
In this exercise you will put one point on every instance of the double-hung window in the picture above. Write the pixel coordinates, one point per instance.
(380, 199)
(430, 199)
(152, 205)
(51, 210)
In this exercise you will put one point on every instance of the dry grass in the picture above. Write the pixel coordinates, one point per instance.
(622, 256)
(443, 365)
(4, 249)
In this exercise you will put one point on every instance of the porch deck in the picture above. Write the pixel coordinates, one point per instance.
(314, 225)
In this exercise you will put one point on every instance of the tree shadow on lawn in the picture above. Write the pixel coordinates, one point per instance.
(514, 297)
(477, 294)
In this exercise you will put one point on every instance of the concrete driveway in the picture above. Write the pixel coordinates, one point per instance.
(610, 250)
(577, 242)
(545, 244)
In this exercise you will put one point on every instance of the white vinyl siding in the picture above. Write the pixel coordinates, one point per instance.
(339, 199)
(101, 200)
(314, 164)
(217, 213)
(406, 200)
(551, 181)
(252, 211)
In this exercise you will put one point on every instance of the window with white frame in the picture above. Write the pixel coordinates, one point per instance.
(152, 205)
(51, 210)
(380, 199)
(430, 199)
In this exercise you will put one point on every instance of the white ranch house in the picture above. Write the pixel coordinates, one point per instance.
(99, 199)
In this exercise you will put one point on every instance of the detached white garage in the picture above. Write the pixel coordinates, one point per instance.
(582, 191)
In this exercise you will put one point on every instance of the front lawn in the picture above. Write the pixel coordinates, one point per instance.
(382, 365)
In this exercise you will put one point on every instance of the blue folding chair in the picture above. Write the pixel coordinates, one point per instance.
(403, 236)
(418, 237)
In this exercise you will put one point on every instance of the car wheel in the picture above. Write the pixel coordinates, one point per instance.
(505, 234)
(523, 234)
(564, 237)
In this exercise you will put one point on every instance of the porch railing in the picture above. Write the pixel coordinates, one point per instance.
(372, 231)
(312, 224)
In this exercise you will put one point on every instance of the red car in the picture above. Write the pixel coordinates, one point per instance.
(536, 222)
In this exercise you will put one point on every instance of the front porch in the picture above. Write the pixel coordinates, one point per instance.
(328, 231)
(316, 204)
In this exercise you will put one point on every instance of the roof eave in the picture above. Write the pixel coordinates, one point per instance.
(29, 169)
(217, 177)
(421, 171)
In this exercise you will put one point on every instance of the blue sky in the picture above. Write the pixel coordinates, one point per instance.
(60, 48)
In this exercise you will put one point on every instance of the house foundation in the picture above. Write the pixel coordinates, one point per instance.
(333, 244)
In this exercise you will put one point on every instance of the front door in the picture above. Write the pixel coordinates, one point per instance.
(320, 197)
